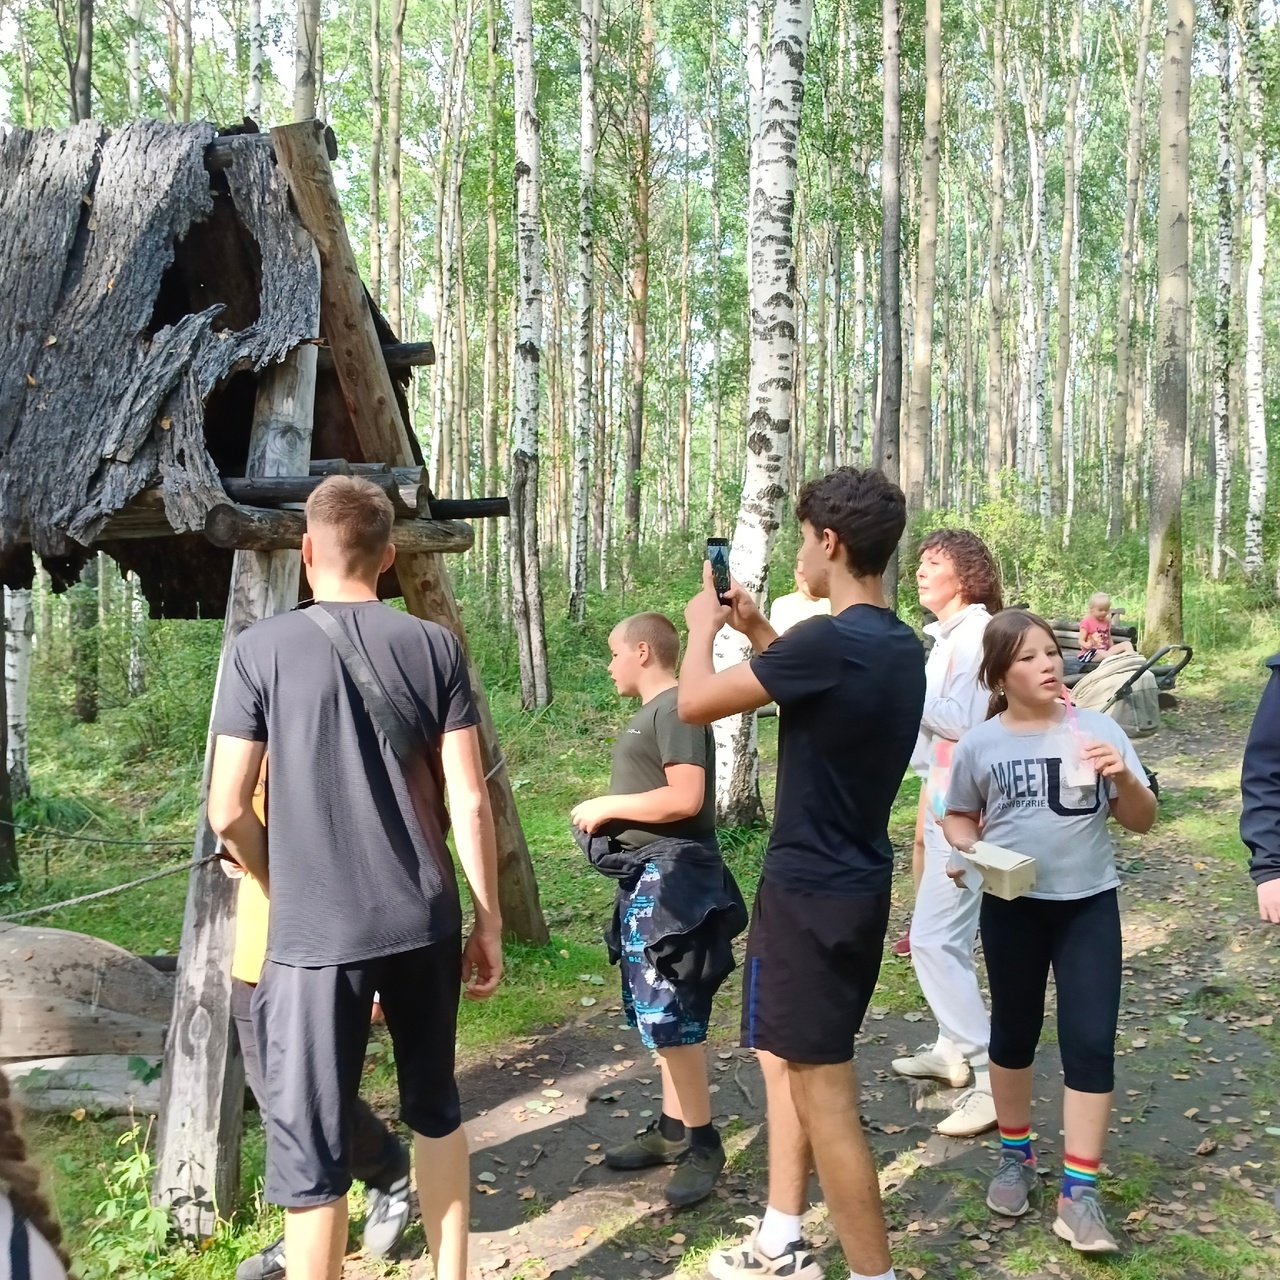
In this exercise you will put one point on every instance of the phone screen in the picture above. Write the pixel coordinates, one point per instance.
(718, 554)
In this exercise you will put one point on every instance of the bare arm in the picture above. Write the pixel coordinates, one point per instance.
(707, 695)
(682, 797)
(1134, 806)
(962, 830)
(477, 846)
(232, 780)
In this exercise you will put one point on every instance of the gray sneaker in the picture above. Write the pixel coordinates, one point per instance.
(1010, 1188)
(1080, 1222)
(646, 1149)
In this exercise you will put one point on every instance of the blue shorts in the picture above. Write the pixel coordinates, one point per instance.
(665, 1015)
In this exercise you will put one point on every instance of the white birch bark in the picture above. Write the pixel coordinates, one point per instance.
(1222, 303)
(1253, 319)
(526, 583)
(772, 360)
(133, 56)
(137, 607)
(18, 633)
(253, 100)
(584, 399)
(306, 52)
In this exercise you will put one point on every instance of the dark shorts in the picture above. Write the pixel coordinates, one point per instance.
(812, 964)
(312, 1026)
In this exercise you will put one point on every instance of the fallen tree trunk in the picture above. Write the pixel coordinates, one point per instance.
(263, 529)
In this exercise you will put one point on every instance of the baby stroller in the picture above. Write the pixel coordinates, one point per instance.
(1129, 688)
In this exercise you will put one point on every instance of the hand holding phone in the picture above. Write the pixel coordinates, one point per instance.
(718, 556)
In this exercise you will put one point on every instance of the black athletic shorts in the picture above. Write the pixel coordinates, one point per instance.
(312, 1026)
(813, 960)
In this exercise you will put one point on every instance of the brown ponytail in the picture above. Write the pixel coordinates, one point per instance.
(1000, 644)
(21, 1179)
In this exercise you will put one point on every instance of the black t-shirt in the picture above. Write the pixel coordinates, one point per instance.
(850, 689)
(352, 876)
(653, 738)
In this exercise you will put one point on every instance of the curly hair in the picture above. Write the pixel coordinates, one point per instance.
(866, 512)
(21, 1179)
(974, 564)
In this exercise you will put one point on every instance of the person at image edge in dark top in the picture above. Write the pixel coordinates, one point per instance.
(850, 689)
(1260, 793)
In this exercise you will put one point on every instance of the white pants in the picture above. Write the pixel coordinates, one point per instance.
(944, 928)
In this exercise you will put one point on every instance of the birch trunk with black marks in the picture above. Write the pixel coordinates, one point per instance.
(1256, 427)
(888, 422)
(1222, 302)
(18, 637)
(772, 360)
(306, 51)
(253, 99)
(1164, 572)
(526, 578)
(583, 362)
(82, 72)
(375, 149)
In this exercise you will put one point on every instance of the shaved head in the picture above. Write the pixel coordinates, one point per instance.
(657, 631)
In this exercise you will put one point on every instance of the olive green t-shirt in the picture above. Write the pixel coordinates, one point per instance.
(652, 739)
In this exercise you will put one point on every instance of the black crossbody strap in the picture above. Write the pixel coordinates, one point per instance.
(19, 1248)
(409, 749)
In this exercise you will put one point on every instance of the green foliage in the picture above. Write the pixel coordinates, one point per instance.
(128, 1237)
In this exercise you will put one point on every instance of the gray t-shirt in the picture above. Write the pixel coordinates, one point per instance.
(1026, 786)
(352, 875)
(654, 738)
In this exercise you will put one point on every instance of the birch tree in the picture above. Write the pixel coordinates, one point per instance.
(1124, 316)
(1164, 572)
(253, 99)
(921, 407)
(888, 422)
(995, 287)
(583, 364)
(526, 579)
(375, 147)
(1222, 301)
(771, 375)
(306, 49)
(1253, 318)
(133, 56)
(18, 633)
(395, 203)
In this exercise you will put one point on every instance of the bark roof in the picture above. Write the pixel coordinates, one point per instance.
(138, 283)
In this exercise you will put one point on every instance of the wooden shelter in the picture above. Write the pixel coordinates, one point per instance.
(186, 346)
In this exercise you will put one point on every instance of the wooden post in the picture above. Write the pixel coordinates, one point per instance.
(202, 1096)
(384, 436)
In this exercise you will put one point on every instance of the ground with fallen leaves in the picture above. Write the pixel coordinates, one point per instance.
(1189, 1175)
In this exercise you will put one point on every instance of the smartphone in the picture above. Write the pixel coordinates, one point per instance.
(718, 554)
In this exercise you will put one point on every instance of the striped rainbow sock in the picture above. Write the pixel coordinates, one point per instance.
(1078, 1173)
(1017, 1142)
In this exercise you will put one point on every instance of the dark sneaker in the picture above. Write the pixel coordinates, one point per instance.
(267, 1265)
(1011, 1188)
(747, 1261)
(1081, 1223)
(695, 1176)
(645, 1150)
(388, 1213)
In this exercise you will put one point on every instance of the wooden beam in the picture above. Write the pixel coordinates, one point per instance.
(397, 355)
(370, 399)
(267, 529)
(409, 499)
(202, 1098)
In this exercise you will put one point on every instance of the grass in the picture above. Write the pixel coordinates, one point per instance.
(135, 776)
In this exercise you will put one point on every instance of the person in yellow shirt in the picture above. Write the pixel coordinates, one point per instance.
(379, 1159)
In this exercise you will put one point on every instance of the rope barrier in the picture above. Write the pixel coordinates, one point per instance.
(106, 893)
(502, 762)
(67, 835)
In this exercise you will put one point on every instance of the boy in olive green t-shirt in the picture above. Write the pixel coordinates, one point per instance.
(661, 788)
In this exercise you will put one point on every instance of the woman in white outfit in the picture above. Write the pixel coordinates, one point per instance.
(958, 582)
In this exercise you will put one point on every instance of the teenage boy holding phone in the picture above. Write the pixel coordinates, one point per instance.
(851, 688)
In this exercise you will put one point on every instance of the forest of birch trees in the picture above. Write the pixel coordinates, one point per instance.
(676, 257)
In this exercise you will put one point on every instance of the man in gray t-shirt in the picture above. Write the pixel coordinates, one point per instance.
(364, 898)
(1018, 780)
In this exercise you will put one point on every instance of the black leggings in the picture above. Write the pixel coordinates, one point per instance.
(1081, 940)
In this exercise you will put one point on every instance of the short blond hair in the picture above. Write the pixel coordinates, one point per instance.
(1099, 597)
(658, 632)
(358, 513)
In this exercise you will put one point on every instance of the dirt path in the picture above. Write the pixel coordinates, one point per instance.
(1191, 1161)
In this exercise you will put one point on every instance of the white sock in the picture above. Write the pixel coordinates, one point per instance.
(884, 1275)
(777, 1231)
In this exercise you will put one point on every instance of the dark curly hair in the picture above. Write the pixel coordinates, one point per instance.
(864, 509)
(974, 564)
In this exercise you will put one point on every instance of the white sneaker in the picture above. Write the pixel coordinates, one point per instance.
(746, 1260)
(975, 1113)
(928, 1064)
